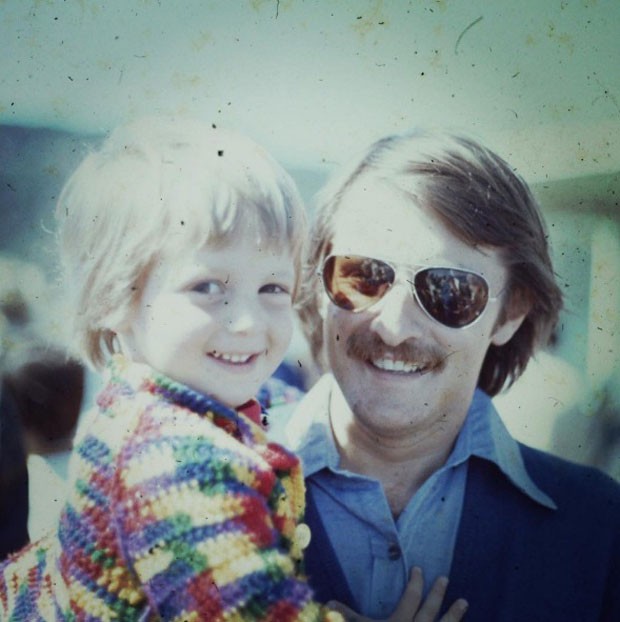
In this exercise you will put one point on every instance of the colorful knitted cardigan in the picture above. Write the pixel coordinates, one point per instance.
(179, 509)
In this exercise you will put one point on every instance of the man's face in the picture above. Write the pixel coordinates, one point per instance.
(399, 370)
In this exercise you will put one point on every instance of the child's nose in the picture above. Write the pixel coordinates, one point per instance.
(242, 316)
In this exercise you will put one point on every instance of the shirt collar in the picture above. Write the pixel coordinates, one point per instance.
(483, 434)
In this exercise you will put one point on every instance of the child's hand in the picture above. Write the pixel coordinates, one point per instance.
(411, 608)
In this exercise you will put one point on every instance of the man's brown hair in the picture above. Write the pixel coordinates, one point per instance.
(481, 200)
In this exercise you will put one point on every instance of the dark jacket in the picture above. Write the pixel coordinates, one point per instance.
(514, 559)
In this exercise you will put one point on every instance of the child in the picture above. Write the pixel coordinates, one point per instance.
(182, 246)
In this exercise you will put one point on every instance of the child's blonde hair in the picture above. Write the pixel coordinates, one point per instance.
(160, 185)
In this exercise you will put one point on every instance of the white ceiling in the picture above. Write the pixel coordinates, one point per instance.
(316, 80)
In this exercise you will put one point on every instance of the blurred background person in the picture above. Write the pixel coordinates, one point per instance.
(41, 396)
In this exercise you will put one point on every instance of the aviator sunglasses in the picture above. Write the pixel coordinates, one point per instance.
(451, 296)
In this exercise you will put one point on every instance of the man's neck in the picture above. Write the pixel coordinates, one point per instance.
(400, 460)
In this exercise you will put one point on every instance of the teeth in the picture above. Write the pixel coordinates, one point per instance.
(232, 358)
(389, 364)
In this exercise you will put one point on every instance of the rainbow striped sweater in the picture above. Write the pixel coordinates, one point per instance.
(179, 509)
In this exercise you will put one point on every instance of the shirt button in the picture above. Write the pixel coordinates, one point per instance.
(394, 552)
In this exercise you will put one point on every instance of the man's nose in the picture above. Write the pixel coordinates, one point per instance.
(398, 315)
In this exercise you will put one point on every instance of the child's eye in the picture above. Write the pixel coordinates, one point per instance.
(209, 287)
(273, 288)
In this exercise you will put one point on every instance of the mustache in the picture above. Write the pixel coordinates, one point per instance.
(367, 346)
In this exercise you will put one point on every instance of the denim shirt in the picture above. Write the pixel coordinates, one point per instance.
(377, 552)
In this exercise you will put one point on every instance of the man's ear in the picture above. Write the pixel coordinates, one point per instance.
(512, 317)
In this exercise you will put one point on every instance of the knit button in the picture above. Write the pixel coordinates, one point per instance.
(302, 536)
(394, 552)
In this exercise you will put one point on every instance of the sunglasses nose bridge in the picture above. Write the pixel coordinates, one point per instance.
(406, 277)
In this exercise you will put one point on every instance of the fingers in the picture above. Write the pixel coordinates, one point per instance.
(411, 598)
(411, 602)
(456, 611)
(432, 605)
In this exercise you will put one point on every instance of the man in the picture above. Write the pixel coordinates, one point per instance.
(431, 287)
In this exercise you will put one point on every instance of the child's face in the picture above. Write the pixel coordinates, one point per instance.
(216, 319)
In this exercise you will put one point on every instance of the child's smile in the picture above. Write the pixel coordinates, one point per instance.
(217, 319)
(236, 363)
(233, 359)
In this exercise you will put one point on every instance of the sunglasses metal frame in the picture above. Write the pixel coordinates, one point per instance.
(414, 270)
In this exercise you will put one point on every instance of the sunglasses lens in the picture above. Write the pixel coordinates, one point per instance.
(454, 298)
(355, 283)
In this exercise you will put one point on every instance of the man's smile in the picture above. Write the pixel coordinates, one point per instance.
(397, 365)
(409, 357)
